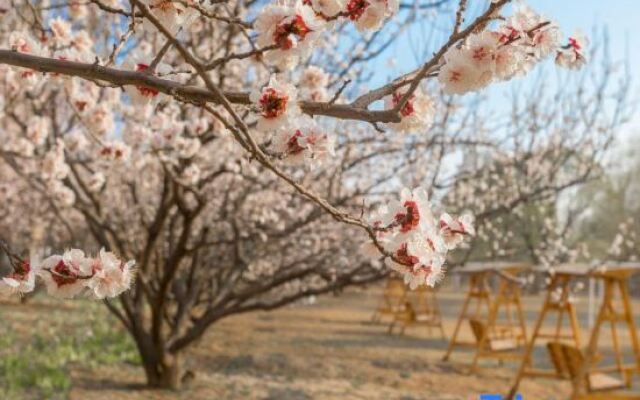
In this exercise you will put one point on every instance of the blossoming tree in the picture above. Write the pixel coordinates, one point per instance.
(233, 150)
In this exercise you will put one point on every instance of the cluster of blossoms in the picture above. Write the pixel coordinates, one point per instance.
(313, 84)
(52, 157)
(63, 44)
(170, 137)
(416, 114)
(418, 242)
(524, 39)
(571, 55)
(115, 151)
(562, 296)
(297, 137)
(22, 43)
(625, 244)
(93, 109)
(290, 28)
(554, 247)
(171, 14)
(307, 142)
(71, 274)
(53, 170)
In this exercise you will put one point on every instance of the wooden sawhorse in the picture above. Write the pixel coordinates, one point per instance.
(393, 301)
(421, 310)
(408, 308)
(492, 340)
(557, 299)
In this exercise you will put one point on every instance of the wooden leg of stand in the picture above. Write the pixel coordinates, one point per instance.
(575, 327)
(456, 330)
(592, 348)
(529, 345)
(633, 332)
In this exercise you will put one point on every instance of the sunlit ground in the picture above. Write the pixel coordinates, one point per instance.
(327, 350)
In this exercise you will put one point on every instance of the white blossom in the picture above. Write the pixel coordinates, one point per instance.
(53, 163)
(61, 29)
(78, 9)
(276, 104)
(186, 147)
(417, 114)
(459, 75)
(111, 276)
(328, 8)
(313, 84)
(572, 55)
(96, 182)
(191, 175)
(171, 14)
(63, 275)
(292, 29)
(21, 280)
(369, 15)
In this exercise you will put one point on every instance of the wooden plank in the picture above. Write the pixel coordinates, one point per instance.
(509, 267)
(540, 373)
(502, 344)
(554, 336)
(600, 382)
(615, 368)
(607, 269)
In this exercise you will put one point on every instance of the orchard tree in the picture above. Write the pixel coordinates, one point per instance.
(615, 211)
(554, 141)
(234, 150)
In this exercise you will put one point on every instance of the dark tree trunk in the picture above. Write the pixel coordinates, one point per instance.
(163, 375)
(162, 370)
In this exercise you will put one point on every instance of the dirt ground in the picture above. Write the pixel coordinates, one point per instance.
(328, 350)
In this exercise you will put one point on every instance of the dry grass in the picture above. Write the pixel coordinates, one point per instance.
(323, 351)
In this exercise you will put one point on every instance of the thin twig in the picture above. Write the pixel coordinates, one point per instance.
(339, 92)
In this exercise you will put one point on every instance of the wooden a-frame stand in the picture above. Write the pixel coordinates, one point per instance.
(393, 300)
(424, 310)
(557, 302)
(407, 308)
(492, 340)
(613, 277)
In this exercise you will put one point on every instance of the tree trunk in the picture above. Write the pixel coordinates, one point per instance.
(163, 374)
(163, 371)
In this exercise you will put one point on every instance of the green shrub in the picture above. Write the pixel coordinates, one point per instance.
(37, 366)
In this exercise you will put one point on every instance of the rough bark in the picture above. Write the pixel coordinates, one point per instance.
(162, 371)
